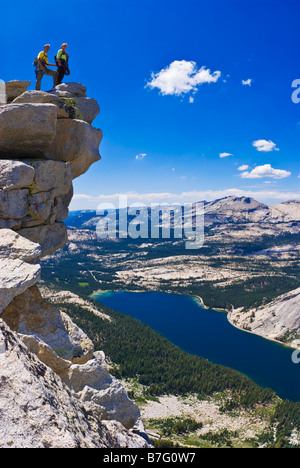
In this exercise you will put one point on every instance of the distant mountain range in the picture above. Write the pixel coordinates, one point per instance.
(238, 210)
(250, 258)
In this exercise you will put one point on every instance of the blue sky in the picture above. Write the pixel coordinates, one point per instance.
(179, 83)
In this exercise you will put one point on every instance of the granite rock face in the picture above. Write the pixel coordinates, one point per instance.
(55, 391)
(15, 175)
(277, 320)
(38, 411)
(40, 97)
(15, 88)
(26, 129)
(46, 141)
(15, 247)
(34, 199)
(34, 193)
(29, 314)
(51, 237)
(78, 106)
(18, 268)
(88, 109)
(75, 142)
(101, 393)
(70, 89)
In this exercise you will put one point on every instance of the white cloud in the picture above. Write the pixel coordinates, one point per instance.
(265, 146)
(141, 156)
(247, 82)
(225, 155)
(265, 171)
(182, 77)
(81, 196)
(81, 202)
(244, 167)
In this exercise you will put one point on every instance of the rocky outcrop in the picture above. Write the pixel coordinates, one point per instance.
(29, 314)
(46, 141)
(38, 411)
(51, 237)
(62, 346)
(18, 268)
(55, 391)
(285, 212)
(15, 88)
(279, 320)
(34, 198)
(101, 393)
(70, 106)
(75, 142)
(26, 129)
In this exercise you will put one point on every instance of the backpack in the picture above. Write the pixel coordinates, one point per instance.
(66, 65)
(35, 65)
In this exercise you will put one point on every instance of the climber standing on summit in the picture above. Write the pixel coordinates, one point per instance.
(62, 59)
(42, 68)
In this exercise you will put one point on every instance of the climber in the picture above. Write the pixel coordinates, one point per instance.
(62, 59)
(42, 68)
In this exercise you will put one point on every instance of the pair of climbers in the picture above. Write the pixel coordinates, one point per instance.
(41, 64)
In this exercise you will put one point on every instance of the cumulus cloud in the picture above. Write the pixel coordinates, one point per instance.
(266, 170)
(182, 77)
(247, 82)
(141, 156)
(265, 146)
(244, 167)
(225, 155)
(83, 201)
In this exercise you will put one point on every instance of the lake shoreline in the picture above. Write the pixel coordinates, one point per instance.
(197, 330)
(199, 300)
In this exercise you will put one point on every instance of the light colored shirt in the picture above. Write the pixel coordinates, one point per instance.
(61, 55)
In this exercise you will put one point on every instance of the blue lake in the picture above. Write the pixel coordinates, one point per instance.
(207, 333)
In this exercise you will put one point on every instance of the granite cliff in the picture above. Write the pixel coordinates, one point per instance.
(278, 320)
(55, 390)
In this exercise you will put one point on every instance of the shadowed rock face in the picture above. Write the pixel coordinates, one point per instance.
(46, 141)
(75, 142)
